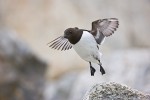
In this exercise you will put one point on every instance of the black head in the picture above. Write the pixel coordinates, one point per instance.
(73, 34)
(70, 32)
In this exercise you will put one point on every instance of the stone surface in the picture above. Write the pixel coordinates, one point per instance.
(61, 89)
(21, 71)
(114, 91)
(130, 67)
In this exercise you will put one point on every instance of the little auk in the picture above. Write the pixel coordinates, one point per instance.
(86, 42)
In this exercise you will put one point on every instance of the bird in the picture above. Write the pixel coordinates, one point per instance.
(86, 42)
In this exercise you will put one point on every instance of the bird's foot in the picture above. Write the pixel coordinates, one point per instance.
(92, 70)
(102, 70)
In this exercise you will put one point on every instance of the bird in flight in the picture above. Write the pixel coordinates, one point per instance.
(86, 42)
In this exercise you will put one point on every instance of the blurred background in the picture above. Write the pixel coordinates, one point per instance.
(30, 70)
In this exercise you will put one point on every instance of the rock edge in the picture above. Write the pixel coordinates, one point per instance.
(114, 91)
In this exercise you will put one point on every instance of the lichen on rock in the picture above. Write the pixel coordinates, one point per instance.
(114, 91)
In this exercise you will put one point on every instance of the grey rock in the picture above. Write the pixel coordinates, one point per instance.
(61, 89)
(130, 67)
(114, 91)
(21, 71)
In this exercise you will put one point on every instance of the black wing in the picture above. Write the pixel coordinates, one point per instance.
(103, 28)
(60, 43)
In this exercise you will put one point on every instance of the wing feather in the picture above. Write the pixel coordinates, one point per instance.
(63, 48)
(60, 43)
(103, 28)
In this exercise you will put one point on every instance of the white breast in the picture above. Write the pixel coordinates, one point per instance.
(87, 48)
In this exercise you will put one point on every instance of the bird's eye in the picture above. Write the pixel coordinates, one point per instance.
(70, 32)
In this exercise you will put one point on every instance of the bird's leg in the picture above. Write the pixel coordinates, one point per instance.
(92, 69)
(101, 68)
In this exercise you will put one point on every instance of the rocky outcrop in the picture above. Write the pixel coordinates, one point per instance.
(21, 71)
(114, 91)
(61, 89)
(130, 67)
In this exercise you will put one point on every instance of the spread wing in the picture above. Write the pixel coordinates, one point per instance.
(60, 43)
(103, 28)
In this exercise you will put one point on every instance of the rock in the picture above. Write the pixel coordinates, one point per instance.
(114, 91)
(61, 89)
(131, 67)
(71, 86)
(21, 71)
